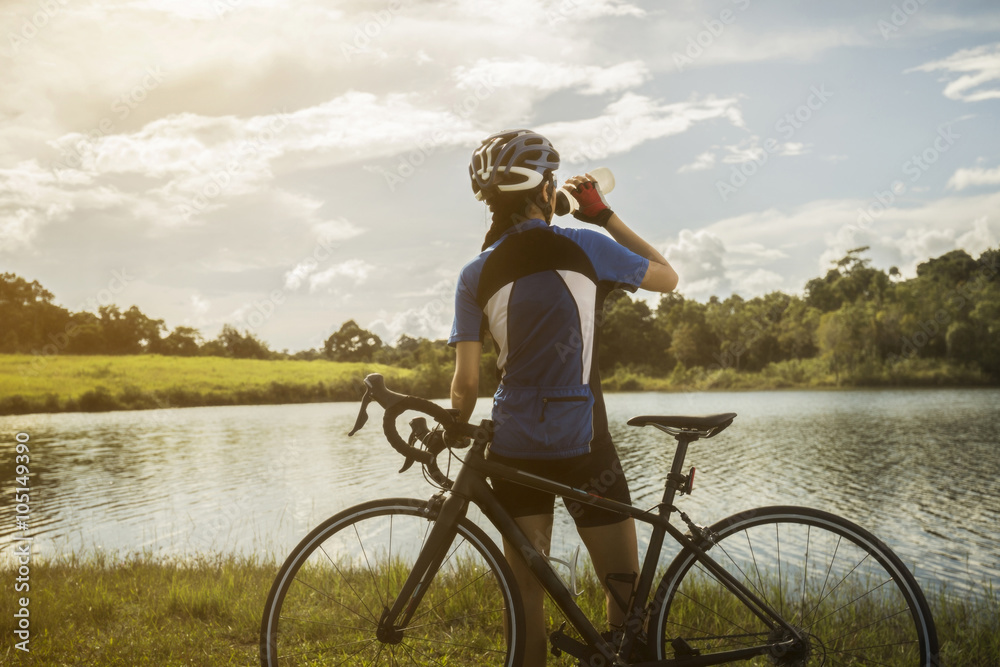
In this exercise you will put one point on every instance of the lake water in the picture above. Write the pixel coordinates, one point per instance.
(920, 468)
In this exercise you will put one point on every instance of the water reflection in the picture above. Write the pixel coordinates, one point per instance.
(918, 468)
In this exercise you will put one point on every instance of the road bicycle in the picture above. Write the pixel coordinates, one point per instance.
(414, 582)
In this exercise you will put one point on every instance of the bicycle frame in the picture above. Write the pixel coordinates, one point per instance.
(470, 486)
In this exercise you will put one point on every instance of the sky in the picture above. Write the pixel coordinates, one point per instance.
(287, 165)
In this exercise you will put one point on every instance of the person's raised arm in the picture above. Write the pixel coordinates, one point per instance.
(465, 384)
(594, 209)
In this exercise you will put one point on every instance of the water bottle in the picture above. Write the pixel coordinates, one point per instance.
(567, 203)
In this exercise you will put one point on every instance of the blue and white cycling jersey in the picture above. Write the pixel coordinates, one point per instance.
(538, 291)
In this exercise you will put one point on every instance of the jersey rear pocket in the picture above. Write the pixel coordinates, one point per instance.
(543, 422)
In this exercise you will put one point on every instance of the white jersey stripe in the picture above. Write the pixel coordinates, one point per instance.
(496, 313)
(584, 292)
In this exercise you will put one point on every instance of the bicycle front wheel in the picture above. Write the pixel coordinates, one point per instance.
(325, 604)
(843, 589)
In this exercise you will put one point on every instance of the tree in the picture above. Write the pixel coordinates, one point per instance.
(130, 332)
(352, 343)
(692, 341)
(951, 269)
(232, 343)
(851, 280)
(629, 336)
(182, 342)
(29, 318)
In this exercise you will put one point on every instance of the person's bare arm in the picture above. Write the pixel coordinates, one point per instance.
(465, 384)
(660, 276)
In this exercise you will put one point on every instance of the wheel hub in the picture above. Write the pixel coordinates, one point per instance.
(388, 634)
(796, 655)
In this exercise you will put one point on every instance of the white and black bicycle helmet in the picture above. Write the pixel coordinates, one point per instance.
(510, 161)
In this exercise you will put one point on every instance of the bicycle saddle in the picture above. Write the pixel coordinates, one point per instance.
(705, 426)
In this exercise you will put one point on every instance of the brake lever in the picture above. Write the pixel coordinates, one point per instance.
(406, 464)
(363, 414)
(418, 429)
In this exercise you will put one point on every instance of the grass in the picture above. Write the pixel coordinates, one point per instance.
(144, 611)
(99, 383)
(66, 383)
(802, 374)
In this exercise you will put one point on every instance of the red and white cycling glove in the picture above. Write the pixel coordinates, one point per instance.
(593, 206)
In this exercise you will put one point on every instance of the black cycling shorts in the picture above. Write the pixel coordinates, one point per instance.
(599, 472)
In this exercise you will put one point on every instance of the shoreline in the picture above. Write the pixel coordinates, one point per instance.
(102, 383)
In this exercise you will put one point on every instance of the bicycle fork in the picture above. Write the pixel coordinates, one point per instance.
(445, 514)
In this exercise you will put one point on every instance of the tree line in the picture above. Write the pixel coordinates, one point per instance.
(856, 322)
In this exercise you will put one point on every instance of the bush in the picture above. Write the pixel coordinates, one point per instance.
(98, 400)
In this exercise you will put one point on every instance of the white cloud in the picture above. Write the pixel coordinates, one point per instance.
(709, 266)
(978, 239)
(965, 178)
(631, 121)
(199, 304)
(751, 150)
(792, 148)
(432, 319)
(740, 42)
(754, 254)
(32, 197)
(533, 73)
(704, 161)
(978, 69)
(355, 271)
(757, 282)
(548, 14)
(698, 258)
(558, 10)
(297, 276)
(903, 235)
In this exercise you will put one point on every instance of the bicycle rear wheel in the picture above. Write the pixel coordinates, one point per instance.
(325, 604)
(835, 582)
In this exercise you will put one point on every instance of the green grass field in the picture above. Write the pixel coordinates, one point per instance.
(66, 383)
(95, 383)
(90, 611)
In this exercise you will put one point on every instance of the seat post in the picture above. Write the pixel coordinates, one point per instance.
(671, 487)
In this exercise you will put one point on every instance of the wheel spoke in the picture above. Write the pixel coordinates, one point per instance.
(327, 610)
(856, 601)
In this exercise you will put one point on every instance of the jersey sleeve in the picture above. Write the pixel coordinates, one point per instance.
(613, 262)
(468, 324)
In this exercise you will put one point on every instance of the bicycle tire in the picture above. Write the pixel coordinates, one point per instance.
(325, 603)
(831, 579)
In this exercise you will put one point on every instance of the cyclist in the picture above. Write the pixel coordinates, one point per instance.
(539, 290)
